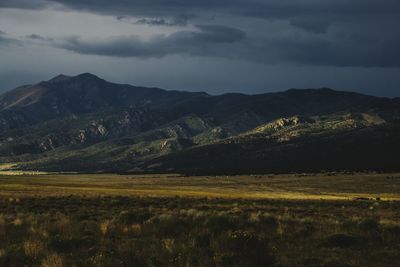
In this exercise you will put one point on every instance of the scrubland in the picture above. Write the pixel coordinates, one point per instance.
(330, 220)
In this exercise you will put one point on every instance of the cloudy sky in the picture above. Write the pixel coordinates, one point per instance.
(218, 46)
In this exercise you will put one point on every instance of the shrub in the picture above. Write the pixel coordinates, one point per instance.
(341, 241)
(220, 222)
(129, 256)
(131, 217)
(369, 225)
(391, 233)
(14, 256)
(349, 224)
(311, 262)
(243, 248)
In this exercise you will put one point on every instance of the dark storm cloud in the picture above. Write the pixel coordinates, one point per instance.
(321, 32)
(320, 51)
(312, 24)
(300, 10)
(181, 42)
(227, 42)
(29, 4)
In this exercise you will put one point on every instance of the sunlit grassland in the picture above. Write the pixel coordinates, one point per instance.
(295, 186)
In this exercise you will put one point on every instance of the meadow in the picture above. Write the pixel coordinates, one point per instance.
(327, 220)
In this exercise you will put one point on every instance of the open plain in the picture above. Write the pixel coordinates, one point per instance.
(331, 219)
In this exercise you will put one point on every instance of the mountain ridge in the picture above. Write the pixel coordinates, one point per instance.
(85, 123)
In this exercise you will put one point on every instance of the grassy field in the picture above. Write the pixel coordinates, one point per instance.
(327, 220)
(319, 186)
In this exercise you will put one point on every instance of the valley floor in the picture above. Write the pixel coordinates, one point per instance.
(327, 220)
(330, 186)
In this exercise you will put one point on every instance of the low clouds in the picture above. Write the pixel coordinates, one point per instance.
(199, 42)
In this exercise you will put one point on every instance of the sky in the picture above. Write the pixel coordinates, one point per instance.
(216, 46)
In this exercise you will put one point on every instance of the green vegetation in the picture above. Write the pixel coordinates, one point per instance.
(169, 220)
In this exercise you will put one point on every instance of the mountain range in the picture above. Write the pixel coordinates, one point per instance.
(86, 124)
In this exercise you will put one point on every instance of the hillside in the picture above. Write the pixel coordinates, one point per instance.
(84, 123)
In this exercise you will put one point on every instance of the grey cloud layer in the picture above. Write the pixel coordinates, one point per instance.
(227, 42)
(6, 40)
(322, 32)
(189, 42)
(302, 12)
(330, 52)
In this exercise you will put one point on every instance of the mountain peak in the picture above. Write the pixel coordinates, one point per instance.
(87, 75)
(80, 77)
(59, 78)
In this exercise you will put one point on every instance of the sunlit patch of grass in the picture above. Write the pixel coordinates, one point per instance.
(33, 248)
(7, 166)
(136, 229)
(17, 222)
(296, 187)
(53, 260)
(10, 169)
(105, 227)
(19, 173)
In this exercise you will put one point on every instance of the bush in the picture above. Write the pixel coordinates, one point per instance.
(219, 222)
(243, 248)
(341, 241)
(370, 226)
(270, 222)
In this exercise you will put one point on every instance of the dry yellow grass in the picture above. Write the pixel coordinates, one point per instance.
(53, 260)
(8, 169)
(33, 248)
(105, 226)
(313, 187)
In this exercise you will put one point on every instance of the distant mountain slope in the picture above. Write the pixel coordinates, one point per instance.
(295, 145)
(84, 123)
(82, 94)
